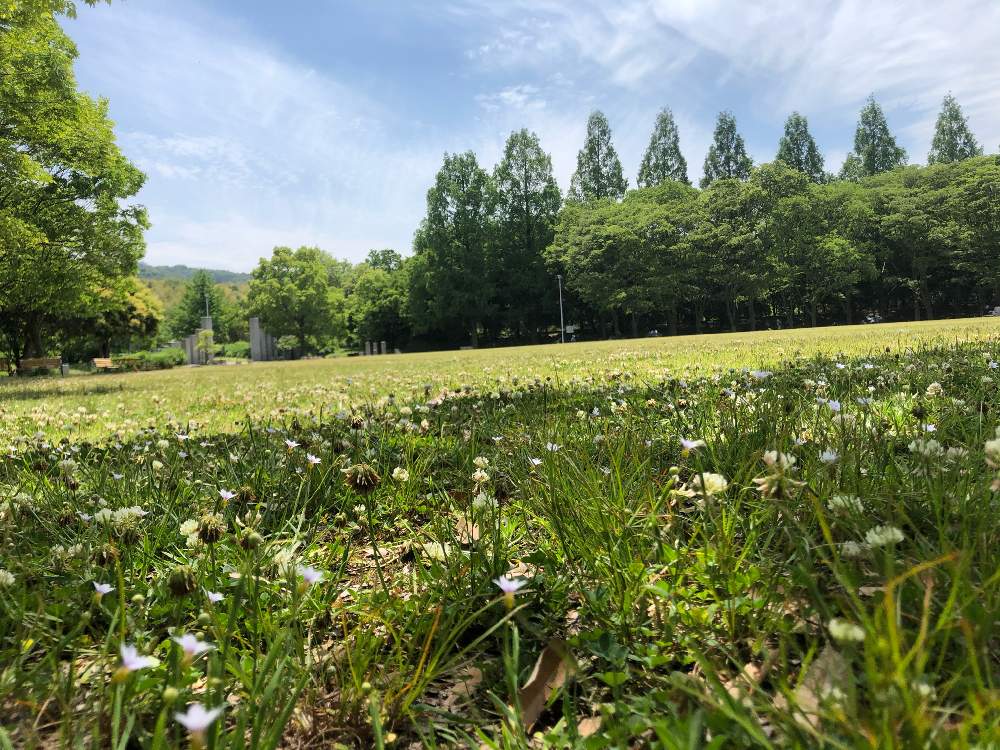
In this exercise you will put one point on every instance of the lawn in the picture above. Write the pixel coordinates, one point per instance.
(746, 540)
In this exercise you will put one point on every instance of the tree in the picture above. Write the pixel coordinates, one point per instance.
(452, 283)
(66, 227)
(526, 203)
(953, 140)
(727, 156)
(663, 159)
(875, 148)
(292, 294)
(598, 169)
(386, 259)
(798, 150)
(203, 296)
(376, 305)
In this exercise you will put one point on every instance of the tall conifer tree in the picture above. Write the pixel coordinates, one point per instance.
(727, 156)
(797, 148)
(875, 148)
(953, 140)
(598, 168)
(663, 159)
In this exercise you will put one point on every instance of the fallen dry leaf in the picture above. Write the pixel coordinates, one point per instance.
(588, 726)
(468, 682)
(546, 678)
(466, 532)
(827, 676)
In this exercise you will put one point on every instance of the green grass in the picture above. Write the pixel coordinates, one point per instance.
(846, 600)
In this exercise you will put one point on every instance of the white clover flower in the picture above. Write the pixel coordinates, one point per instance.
(708, 484)
(481, 462)
(400, 474)
(829, 456)
(934, 389)
(780, 460)
(162, 444)
(157, 465)
(104, 515)
(881, 536)
(189, 527)
(846, 632)
(846, 503)
(6, 578)
(992, 449)
(480, 477)
(930, 448)
(853, 549)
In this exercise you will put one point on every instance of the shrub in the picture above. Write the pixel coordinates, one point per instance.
(159, 360)
(234, 350)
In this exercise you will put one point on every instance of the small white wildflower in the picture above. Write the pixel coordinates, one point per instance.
(481, 462)
(709, 484)
(934, 389)
(400, 474)
(846, 632)
(846, 503)
(6, 578)
(829, 456)
(480, 477)
(881, 536)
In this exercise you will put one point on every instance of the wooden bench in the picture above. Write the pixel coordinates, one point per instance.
(103, 363)
(39, 363)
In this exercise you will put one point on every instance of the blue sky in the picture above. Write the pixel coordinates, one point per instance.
(323, 123)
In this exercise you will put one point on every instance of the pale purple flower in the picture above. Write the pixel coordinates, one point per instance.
(310, 575)
(192, 645)
(313, 460)
(197, 719)
(226, 495)
(117, 477)
(690, 445)
(103, 588)
(553, 447)
(214, 596)
(930, 428)
(760, 374)
(535, 461)
(829, 456)
(133, 661)
(509, 585)
(833, 405)
(291, 444)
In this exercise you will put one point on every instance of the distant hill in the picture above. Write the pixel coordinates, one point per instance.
(182, 273)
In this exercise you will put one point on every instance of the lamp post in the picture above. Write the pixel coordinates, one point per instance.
(562, 325)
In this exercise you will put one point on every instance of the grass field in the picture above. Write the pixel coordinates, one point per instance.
(781, 539)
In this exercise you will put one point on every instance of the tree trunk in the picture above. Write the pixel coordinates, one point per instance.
(699, 316)
(731, 314)
(753, 315)
(475, 334)
(673, 319)
(33, 347)
(812, 312)
(635, 326)
(615, 328)
(848, 310)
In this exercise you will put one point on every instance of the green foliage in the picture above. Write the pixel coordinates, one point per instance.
(452, 283)
(66, 227)
(797, 148)
(295, 294)
(727, 157)
(598, 169)
(953, 140)
(875, 148)
(526, 202)
(161, 359)
(663, 160)
(202, 294)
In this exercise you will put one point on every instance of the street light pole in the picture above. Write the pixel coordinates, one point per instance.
(562, 325)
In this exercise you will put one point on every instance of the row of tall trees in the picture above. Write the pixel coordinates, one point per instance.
(786, 242)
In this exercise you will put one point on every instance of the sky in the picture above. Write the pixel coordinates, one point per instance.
(324, 122)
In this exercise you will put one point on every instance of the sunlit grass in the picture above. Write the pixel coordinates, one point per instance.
(784, 539)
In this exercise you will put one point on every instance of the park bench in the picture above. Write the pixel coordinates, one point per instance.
(39, 363)
(104, 363)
